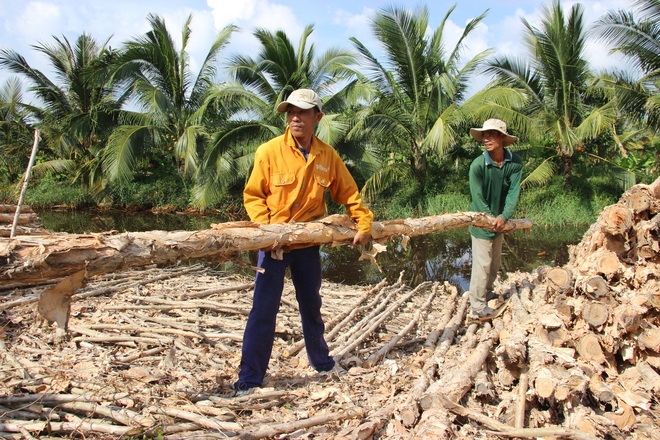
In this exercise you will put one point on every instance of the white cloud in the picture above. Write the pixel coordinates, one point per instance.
(231, 11)
(358, 25)
(25, 23)
(36, 22)
(355, 22)
(250, 15)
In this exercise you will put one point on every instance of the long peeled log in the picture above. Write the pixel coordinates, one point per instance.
(34, 258)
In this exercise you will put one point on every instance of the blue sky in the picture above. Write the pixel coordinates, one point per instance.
(28, 22)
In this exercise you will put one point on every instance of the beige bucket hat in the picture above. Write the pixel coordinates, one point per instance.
(493, 124)
(301, 98)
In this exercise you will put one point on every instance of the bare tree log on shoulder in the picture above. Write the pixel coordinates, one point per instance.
(30, 258)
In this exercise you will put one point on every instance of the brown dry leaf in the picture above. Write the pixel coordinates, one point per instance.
(55, 302)
(324, 394)
(370, 254)
(143, 374)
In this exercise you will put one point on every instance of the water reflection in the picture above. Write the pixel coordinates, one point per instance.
(447, 256)
(81, 222)
(443, 256)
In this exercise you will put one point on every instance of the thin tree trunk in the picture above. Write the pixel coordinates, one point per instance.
(35, 147)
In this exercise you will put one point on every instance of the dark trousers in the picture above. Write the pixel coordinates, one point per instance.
(305, 266)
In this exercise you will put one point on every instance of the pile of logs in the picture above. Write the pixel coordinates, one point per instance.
(591, 352)
(575, 353)
(28, 221)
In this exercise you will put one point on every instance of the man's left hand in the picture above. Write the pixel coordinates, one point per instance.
(498, 224)
(361, 239)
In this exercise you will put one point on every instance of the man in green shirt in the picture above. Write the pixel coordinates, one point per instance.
(495, 187)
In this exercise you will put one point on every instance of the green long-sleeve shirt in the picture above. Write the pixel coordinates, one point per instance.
(495, 190)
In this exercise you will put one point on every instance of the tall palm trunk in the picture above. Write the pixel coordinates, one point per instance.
(420, 164)
(568, 166)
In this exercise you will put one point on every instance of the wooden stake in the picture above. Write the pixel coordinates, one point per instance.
(35, 147)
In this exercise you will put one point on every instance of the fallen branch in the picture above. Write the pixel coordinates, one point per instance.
(283, 428)
(88, 427)
(341, 351)
(504, 430)
(121, 415)
(50, 399)
(203, 421)
(376, 357)
(336, 324)
(210, 292)
(409, 413)
(521, 403)
(379, 304)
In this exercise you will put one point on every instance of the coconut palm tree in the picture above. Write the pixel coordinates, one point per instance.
(170, 129)
(559, 109)
(280, 68)
(636, 34)
(415, 118)
(638, 38)
(75, 112)
(15, 132)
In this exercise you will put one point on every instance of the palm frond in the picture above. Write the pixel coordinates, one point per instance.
(122, 151)
(386, 177)
(541, 174)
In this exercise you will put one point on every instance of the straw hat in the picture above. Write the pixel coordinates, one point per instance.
(493, 124)
(301, 98)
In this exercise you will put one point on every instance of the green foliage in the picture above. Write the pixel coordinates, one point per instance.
(579, 203)
(635, 34)
(154, 193)
(403, 202)
(56, 191)
(420, 82)
(447, 202)
(644, 163)
(401, 122)
(561, 111)
(177, 119)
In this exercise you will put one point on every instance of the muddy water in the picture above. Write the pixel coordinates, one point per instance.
(440, 256)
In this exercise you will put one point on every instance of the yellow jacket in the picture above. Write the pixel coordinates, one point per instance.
(283, 187)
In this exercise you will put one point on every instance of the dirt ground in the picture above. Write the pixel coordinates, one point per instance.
(151, 343)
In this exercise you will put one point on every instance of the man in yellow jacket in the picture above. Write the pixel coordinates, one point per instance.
(288, 182)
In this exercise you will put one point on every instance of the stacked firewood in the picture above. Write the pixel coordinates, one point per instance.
(578, 347)
(601, 309)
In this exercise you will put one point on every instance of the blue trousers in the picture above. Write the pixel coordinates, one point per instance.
(305, 266)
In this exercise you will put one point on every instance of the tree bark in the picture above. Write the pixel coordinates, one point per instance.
(33, 259)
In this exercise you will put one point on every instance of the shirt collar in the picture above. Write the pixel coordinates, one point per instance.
(507, 157)
(290, 141)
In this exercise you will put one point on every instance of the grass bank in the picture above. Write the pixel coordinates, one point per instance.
(552, 205)
(577, 204)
